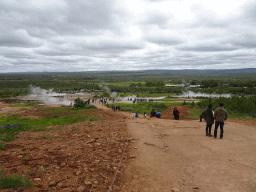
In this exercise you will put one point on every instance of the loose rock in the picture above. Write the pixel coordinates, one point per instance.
(53, 183)
(175, 190)
(81, 188)
(60, 184)
(87, 182)
(78, 172)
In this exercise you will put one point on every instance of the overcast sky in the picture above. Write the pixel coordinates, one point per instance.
(100, 35)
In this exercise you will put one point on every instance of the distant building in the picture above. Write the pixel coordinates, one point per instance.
(194, 86)
(178, 85)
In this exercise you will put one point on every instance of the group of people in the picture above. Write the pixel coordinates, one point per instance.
(176, 113)
(155, 114)
(219, 115)
(115, 108)
(135, 115)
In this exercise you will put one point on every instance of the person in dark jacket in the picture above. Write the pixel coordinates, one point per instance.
(209, 118)
(176, 113)
(201, 116)
(220, 115)
(153, 113)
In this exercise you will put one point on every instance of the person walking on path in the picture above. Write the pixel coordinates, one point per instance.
(209, 118)
(220, 115)
(176, 113)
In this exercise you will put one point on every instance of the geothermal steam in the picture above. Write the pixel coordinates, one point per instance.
(49, 97)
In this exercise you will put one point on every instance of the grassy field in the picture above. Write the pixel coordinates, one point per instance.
(13, 124)
(23, 105)
(146, 107)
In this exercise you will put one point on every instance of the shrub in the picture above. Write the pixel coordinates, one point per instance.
(184, 103)
(13, 181)
(79, 103)
(90, 106)
(127, 109)
(2, 146)
(193, 104)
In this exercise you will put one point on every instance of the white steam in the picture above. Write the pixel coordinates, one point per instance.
(49, 97)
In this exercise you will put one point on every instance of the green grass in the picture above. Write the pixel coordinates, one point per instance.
(120, 84)
(58, 110)
(75, 128)
(70, 110)
(14, 181)
(47, 136)
(8, 131)
(17, 124)
(2, 146)
(153, 94)
(23, 105)
(146, 107)
(30, 171)
(195, 112)
(147, 94)
(237, 107)
(24, 124)
(39, 123)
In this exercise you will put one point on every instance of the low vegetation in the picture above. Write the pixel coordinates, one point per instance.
(146, 107)
(15, 181)
(237, 107)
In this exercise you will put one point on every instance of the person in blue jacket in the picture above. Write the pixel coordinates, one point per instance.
(158, 114)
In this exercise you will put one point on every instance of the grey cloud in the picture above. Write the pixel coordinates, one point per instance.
(249, 12)
(211, 23)
(156, 18)
(164, 40)
(104, 35)
(18, 38)
(74, 17)
(207, 48)
(245, 40)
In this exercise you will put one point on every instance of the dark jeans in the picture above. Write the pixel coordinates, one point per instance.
(217, 124)
(176, 117)
(208, 128)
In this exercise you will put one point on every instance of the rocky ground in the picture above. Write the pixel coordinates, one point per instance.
(78, 157)
(161, 154)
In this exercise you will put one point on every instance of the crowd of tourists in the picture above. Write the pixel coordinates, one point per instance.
(219, 115)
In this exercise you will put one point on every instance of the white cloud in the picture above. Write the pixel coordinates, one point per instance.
(38, 35)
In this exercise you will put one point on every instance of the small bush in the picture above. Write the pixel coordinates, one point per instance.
(90, 106)
(79, 103)
(47, 136)
(14, 181)
(127, 109)
(193, 104)
(2, 146)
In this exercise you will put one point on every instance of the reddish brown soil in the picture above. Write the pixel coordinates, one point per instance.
(168, 113)
(165, 155)
(85, 154)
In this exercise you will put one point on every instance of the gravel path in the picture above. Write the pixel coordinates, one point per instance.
(177, 156)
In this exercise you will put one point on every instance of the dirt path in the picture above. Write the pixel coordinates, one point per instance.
(177, 156)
